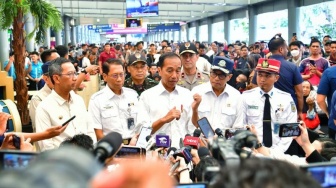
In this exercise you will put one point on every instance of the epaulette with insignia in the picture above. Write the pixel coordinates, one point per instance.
(97, 94)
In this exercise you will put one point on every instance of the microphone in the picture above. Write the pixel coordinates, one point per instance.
(219, 132)
(185, 154)
(150, 143)
(191, 141)
(107, 146)
(197, 133)
(203, 152)
(162, 141)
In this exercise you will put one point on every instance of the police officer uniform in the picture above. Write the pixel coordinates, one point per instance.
(282, 107)
(199, 78)
(148, 83)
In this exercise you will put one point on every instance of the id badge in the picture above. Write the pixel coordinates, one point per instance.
(130, 123)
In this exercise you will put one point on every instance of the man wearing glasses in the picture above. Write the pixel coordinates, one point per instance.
(138, 69)
(216, 100)
(190, 75)
(114, 108)
(61, 105)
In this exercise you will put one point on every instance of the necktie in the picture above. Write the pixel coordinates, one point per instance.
(267, 129)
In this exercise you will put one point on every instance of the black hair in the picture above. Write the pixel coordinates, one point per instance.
(230, 45)
(201, 46)
(243, 47)
(166, 41)
(11, 53)
(310, 85)
(81, 140)
(107, 44)
(275, 43)
(34, 53)
(55, 67)
(295, 43)
(327, 36)
(46, 54)
(314, 40)
(111, 61)
(201, 167)
(62, 50)
(333, 42)
(84, 52)
(328, 148)
(165, 56)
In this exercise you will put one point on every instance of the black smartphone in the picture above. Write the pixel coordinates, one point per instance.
(206, 128)
(10, 159)
(16, 141)
(289, 130)
(294, 34)
(312, 62)
(324, 173)
(129, 152)
(73, 117)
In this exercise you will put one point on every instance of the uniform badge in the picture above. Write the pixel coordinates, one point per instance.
(137, 55)
(222, 63)
(265, 64)
(293, 107)
(187, 45)
(60, 117)
(108, 107)
(252, 107)
(228, 105)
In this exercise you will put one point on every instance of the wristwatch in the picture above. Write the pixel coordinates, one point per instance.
(259, 145)
(83, 71)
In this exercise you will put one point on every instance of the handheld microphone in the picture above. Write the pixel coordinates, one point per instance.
(162, 141)
(150, 143)
(203, 152)
(219, 132)
(191, 141)
(185, 154)
(107, 146)
(197, 133)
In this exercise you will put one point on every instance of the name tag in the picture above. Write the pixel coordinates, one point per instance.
(252, 107)
(108, 107)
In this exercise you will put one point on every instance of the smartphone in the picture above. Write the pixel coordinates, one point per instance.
(73, 117)
(312, 62)
(324, 173)
(142, 142)
(129, 152)
(16, 141)
(14, 159)
(206, 128)
(192, 185)
(289, 130)
(294, 34)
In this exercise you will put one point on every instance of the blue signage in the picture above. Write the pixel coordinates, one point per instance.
(152, 28)
(104, 26)
(103, 30)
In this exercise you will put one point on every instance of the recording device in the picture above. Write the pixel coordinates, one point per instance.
(289, 130)
(229, 133)
(162, 141)
(203, 152)
(219, 132)
(13, 159)
(192, 185)
(73, 117)
(184, 152)
(209, 173)
(132, 152)
(142, 142)
(150, 143)
(16, 142)
(230, 152)
(191, 141)
(107, 146)
(324, 173)
(197, 133)
(312, 62)
(205, 127)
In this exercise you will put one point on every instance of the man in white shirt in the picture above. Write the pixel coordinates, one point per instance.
(166, 107)
(114, 108)
(216, 100)
(61, 105)
(85, 61)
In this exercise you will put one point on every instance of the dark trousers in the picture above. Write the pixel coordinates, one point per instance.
(35, 86)
(332, 133)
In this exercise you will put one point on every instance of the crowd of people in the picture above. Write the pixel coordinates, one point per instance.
(168, 88)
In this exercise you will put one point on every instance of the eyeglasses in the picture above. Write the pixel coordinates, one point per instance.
(220, 76)
(116, 76)
(71, 74)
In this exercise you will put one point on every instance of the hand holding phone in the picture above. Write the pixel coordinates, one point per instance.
(206, 128)
(289, 130)
(73, 117)
(16, 141)
(312, 62)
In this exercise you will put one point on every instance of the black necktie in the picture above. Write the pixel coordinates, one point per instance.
(267, 129)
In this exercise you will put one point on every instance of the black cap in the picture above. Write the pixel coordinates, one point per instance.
(188, 47)
(137, 57)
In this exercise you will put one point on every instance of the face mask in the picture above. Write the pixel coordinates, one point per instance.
(295, 53)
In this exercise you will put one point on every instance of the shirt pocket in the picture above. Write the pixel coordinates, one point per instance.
(204, 111)
(229, 116)
(253, 116)
(109, 116)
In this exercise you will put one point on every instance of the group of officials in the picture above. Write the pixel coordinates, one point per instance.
(166, 107)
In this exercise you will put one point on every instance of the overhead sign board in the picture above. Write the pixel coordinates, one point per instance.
(153, 28)
(103, 26)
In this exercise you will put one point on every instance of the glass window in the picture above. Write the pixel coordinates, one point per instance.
(183, 33)
(317, 20)
(217, 33)
(267, 28)
(192, 34)
(176, 36)
(203, 33)
(239, 30)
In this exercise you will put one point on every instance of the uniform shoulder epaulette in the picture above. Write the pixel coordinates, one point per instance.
(250, 90)
(97, 94)
(206, 73)
(283, 92)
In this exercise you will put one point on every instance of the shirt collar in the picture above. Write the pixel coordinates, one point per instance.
(270, 93)
(277, 56)
(209, 89)
(59, 99)
(110, 94)
(162, 89)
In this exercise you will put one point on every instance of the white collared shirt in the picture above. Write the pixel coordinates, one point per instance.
(156, 102)
(35, 101)
(283, 110)
(223, 111)
(54, 110)
(110, 111)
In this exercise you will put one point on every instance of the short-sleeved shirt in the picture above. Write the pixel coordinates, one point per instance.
(105, 56)
(333, 107)
(11, 71)
(321, 65)
(327, 87)
(289, 77)
(36, 71)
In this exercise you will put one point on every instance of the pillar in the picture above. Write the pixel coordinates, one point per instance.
(58, 36)
(4, 50)
(227, 28)
(67, 32)
(29, 27)
(209, 23)
(252, 24)
(47, 38)
(293, 24)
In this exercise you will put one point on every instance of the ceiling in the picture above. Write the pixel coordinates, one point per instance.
(113, 12)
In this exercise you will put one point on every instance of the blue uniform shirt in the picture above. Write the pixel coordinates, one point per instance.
(36, 71)
(289, 77)
(333, 107)
(11, 71)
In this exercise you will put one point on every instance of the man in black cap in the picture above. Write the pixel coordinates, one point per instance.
(137, 67)
(190, 75)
